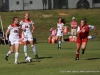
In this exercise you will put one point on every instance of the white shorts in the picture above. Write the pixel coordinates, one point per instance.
(28, 37)
(59, 33)
(13, 41)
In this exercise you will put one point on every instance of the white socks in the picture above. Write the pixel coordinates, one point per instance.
(59, 43)
(25, 51)
(34, 49)
(9, 52)
(16, 57)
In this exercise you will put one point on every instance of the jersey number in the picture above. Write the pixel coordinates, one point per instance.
(26, 26)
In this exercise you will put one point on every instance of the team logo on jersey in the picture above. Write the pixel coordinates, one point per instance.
(15, 31)
(83, 30)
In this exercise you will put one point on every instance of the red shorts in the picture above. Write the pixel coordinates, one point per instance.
(80, 40)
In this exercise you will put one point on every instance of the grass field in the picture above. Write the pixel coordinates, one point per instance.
(53, 61)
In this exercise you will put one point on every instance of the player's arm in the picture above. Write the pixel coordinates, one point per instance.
(93, 27)
(96, 31)
(78, 30)
(21, 23)
(23, 34)
(33, 28)
(7, 32)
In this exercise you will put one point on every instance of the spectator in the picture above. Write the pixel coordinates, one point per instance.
(73, 27)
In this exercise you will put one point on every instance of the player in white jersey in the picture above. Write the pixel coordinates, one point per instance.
(28, 29)
(60, 27)
(14, 30)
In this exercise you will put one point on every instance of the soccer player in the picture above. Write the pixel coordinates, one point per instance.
(28, 28)
(14, 30)
(60, 28)
(82, 39)
(73, 27)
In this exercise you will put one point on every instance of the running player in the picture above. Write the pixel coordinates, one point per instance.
(60, 28)
(14, 30)
(28, 29)
(82, 39)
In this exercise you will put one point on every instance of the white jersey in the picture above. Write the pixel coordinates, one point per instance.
(60, 26)
(90, 27)
(27, 25)
(60, 29)
(14, 31)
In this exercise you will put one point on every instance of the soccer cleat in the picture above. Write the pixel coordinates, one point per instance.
(16, 63)
(76, 58)
(59, 47)
(83, 51)
(6, 58)
(36, 56)
(37, 59)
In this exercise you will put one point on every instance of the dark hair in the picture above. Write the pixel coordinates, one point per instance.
(85, 20)
(62, 20)
(14, 18)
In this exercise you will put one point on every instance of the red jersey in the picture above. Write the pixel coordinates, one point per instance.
(85, 31)
(83, 35)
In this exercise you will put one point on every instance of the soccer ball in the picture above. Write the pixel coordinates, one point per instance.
(28, 59)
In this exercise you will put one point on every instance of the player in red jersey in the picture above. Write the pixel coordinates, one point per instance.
(82, 39)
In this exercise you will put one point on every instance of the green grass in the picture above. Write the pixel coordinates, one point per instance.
(45, 19)
(53, 61)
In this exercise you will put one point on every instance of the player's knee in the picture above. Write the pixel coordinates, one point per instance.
(83, 47)
(12, 52)
(32, 46)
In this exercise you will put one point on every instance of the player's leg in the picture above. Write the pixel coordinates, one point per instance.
(59, 42)
(16, 52)
(83, 47)
(78, 45)
(33, 48)
(10, 51)
(25, 47)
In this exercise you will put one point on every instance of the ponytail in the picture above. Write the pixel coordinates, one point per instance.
(63, 21)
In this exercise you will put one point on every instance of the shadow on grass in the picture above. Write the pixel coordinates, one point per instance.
(26, 63)
(29, 62)
(37, 60)
(92, 58)
(44, 57)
